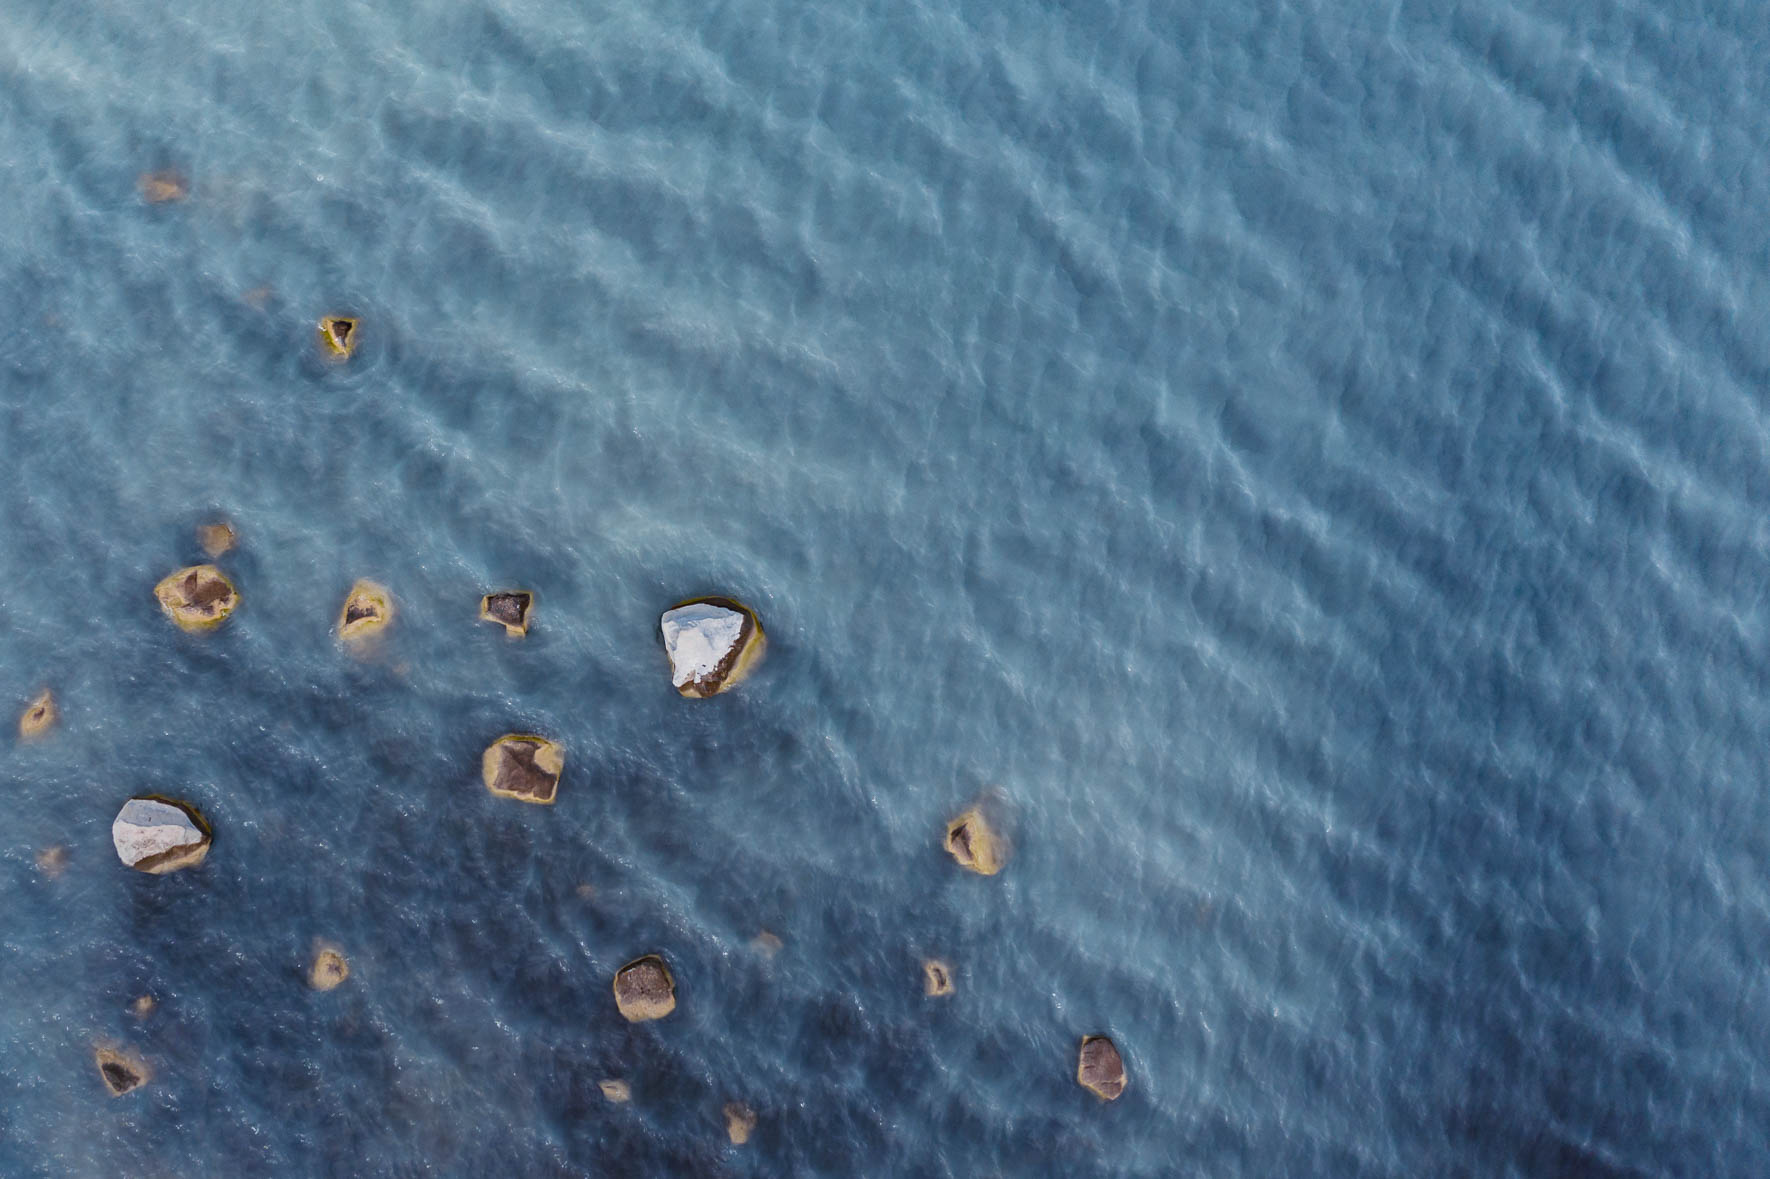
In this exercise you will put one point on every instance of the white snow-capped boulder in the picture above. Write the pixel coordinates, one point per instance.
(713, 643)
(154, 834)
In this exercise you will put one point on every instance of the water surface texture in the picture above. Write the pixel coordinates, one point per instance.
(1307, 462)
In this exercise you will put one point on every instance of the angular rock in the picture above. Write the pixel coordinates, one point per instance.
(216, 538)
(120, 1071)
(644, 989)
(330, 968)
(159, 835)
(199, 597)
(937, 978)
(338, 335)
(616, 1090)
(38, 717)
(157, 188)
(975, 844)
(1100, 1070)
(510, 609)
(740, 1122)
(366, 613)
(524, 767)
(713, 643)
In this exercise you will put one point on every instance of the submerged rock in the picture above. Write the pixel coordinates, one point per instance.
(216, 538)
(366, 613)
(1100, 1070)
(975, 844)
(120, 1071)
(510, 609)
(330, 968)
(616, 1090)
(767, 943)
(199, 597)
(713, 643)
(157, 188)
(338, 335)
(937, 978)
(740, 1122)
(524, 767)
(38, 717)
(52, 861)
(143, 1006)
(644, 989)
(159, 835)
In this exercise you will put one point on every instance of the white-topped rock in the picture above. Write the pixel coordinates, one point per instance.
(712, 643)
(159, 835)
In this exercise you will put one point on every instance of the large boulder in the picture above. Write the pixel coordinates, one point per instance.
(713, 643)
(38, 717)
(524, 767)
(366, 613)
(975, 844)
(1100, 1070)
(199, 597)
(159, 835)
(338, 335)
(509, 609)
(120, 1071)
(644, 989)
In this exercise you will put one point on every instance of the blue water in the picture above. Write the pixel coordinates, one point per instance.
(1307, 461)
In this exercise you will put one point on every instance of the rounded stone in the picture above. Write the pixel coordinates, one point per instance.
(329, 969)
(713, 643)
(367, 611)
(38, 717)
(644, 989)
(740, 1122)
(767, 943)
(975, 844)
(120, 1071)
(338, 335)
(199, 597)
(937, 978)
(616, 1090)
(509, 609)
(158, 835)
(524, 767)
(1100, 1070)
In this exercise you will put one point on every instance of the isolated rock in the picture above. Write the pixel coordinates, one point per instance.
(338, 335)
(143, 1006)
(330, 968)
(159, 187)
(740, 1122)
(1100, 1070)
(767, 943)
(120, 1071)
(644, 989)
(199, 597)
(38, 717)
(975, 844)
(937, 978)
(616, 1090)
(713, 643)
(524, 767)
(52, 861)
(510, 609)
(159, 835)
(216, 538)
(366, 613)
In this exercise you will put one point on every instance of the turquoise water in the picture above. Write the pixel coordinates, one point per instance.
(1305, 463)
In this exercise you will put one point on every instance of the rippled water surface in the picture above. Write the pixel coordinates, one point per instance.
(1304, 464)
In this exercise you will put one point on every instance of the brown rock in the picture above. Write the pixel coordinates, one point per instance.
(367, 612)
(712, 643)
(767, 944)
(142, 1007)
(216, 538)
(199, 597)
(510, 609)
(1100, 1070)
(120, 1071)
(616, 1090)
(644, 989)
(524, 767)
(159, 187)
(330, 968)
(937, 978)
(52, 861)
(975, 844)
(38, 717)
(338, 335)
(740, 1122)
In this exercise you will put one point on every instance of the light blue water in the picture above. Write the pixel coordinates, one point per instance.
(1310, 460)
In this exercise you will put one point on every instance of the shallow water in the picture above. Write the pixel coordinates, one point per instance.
(1303, 463)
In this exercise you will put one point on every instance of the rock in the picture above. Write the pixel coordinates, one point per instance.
(121, 1072)
(216, 538)
(338, 335)
(644, 989)
(1100, 1069)
(52, 861)
(510, 609)
(523, 766)
(937, 978)
(199, 597)
(38, 717)
(975, 844)
(366, 613)
(158, 835)
(157, 188)
(330, 968)
(740, 1122)
(142, 1007)
(615, 1090)
(767, 944)
(713, 643)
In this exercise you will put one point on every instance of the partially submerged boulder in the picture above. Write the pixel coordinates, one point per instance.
(1100, 1070)
(216, 538)
(644, 989)
(330, 968)
(120, 1071)
(937, 978)
(616, 1090)
(157, 188)
(510, 609)
(338, 335)
(975, 844)
(38, 717)
(524, 767)
(366, 613)
(740, 1122)
(158, 835)
(199, 597)
(713, 643)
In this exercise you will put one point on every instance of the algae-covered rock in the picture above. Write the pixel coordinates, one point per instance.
(159, 835)
(510, 609)
(120, 1071)
(937, 978)
(338, 335)
(524, 767)
(713, 643)
(740, 1122)
(38, 717)
(329, 968)
(197, 598)
(1100, 1070)
(644, 989)
(367, 611)
(975, 843)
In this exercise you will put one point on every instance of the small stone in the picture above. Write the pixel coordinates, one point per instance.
(120, 1071)
(216, 538)
(157, 188)
(338, 335)
(38, 717)
(142, 1007)
(616, 1090)
(1100, 1070)
(974, 843)
(199, 597)
(740, 1122)
(330, 968)
(367, 611)
(510, 609)
(644, 989)
(524, 767)
(158, 835)
(52, 861)
(713, 643)
(767, 944)
(937, 978)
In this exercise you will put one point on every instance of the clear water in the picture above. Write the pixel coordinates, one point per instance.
(1309, 460)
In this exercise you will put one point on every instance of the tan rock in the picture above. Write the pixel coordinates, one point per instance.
(142, 1007)
(644, 989)
(1100, 1070)
(510, 609)
(199, 597)
(713, 643)
(155, 834)
(937, 978)
(524, 767)
(157, 188)
(52, 861)
(216, 538)
(330, 968)
(367, 612)
(616, 1090)
(38, 717)
(975, 844)
(338, 335)
(767, 944)
(740, 1122)
(120, 1071)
